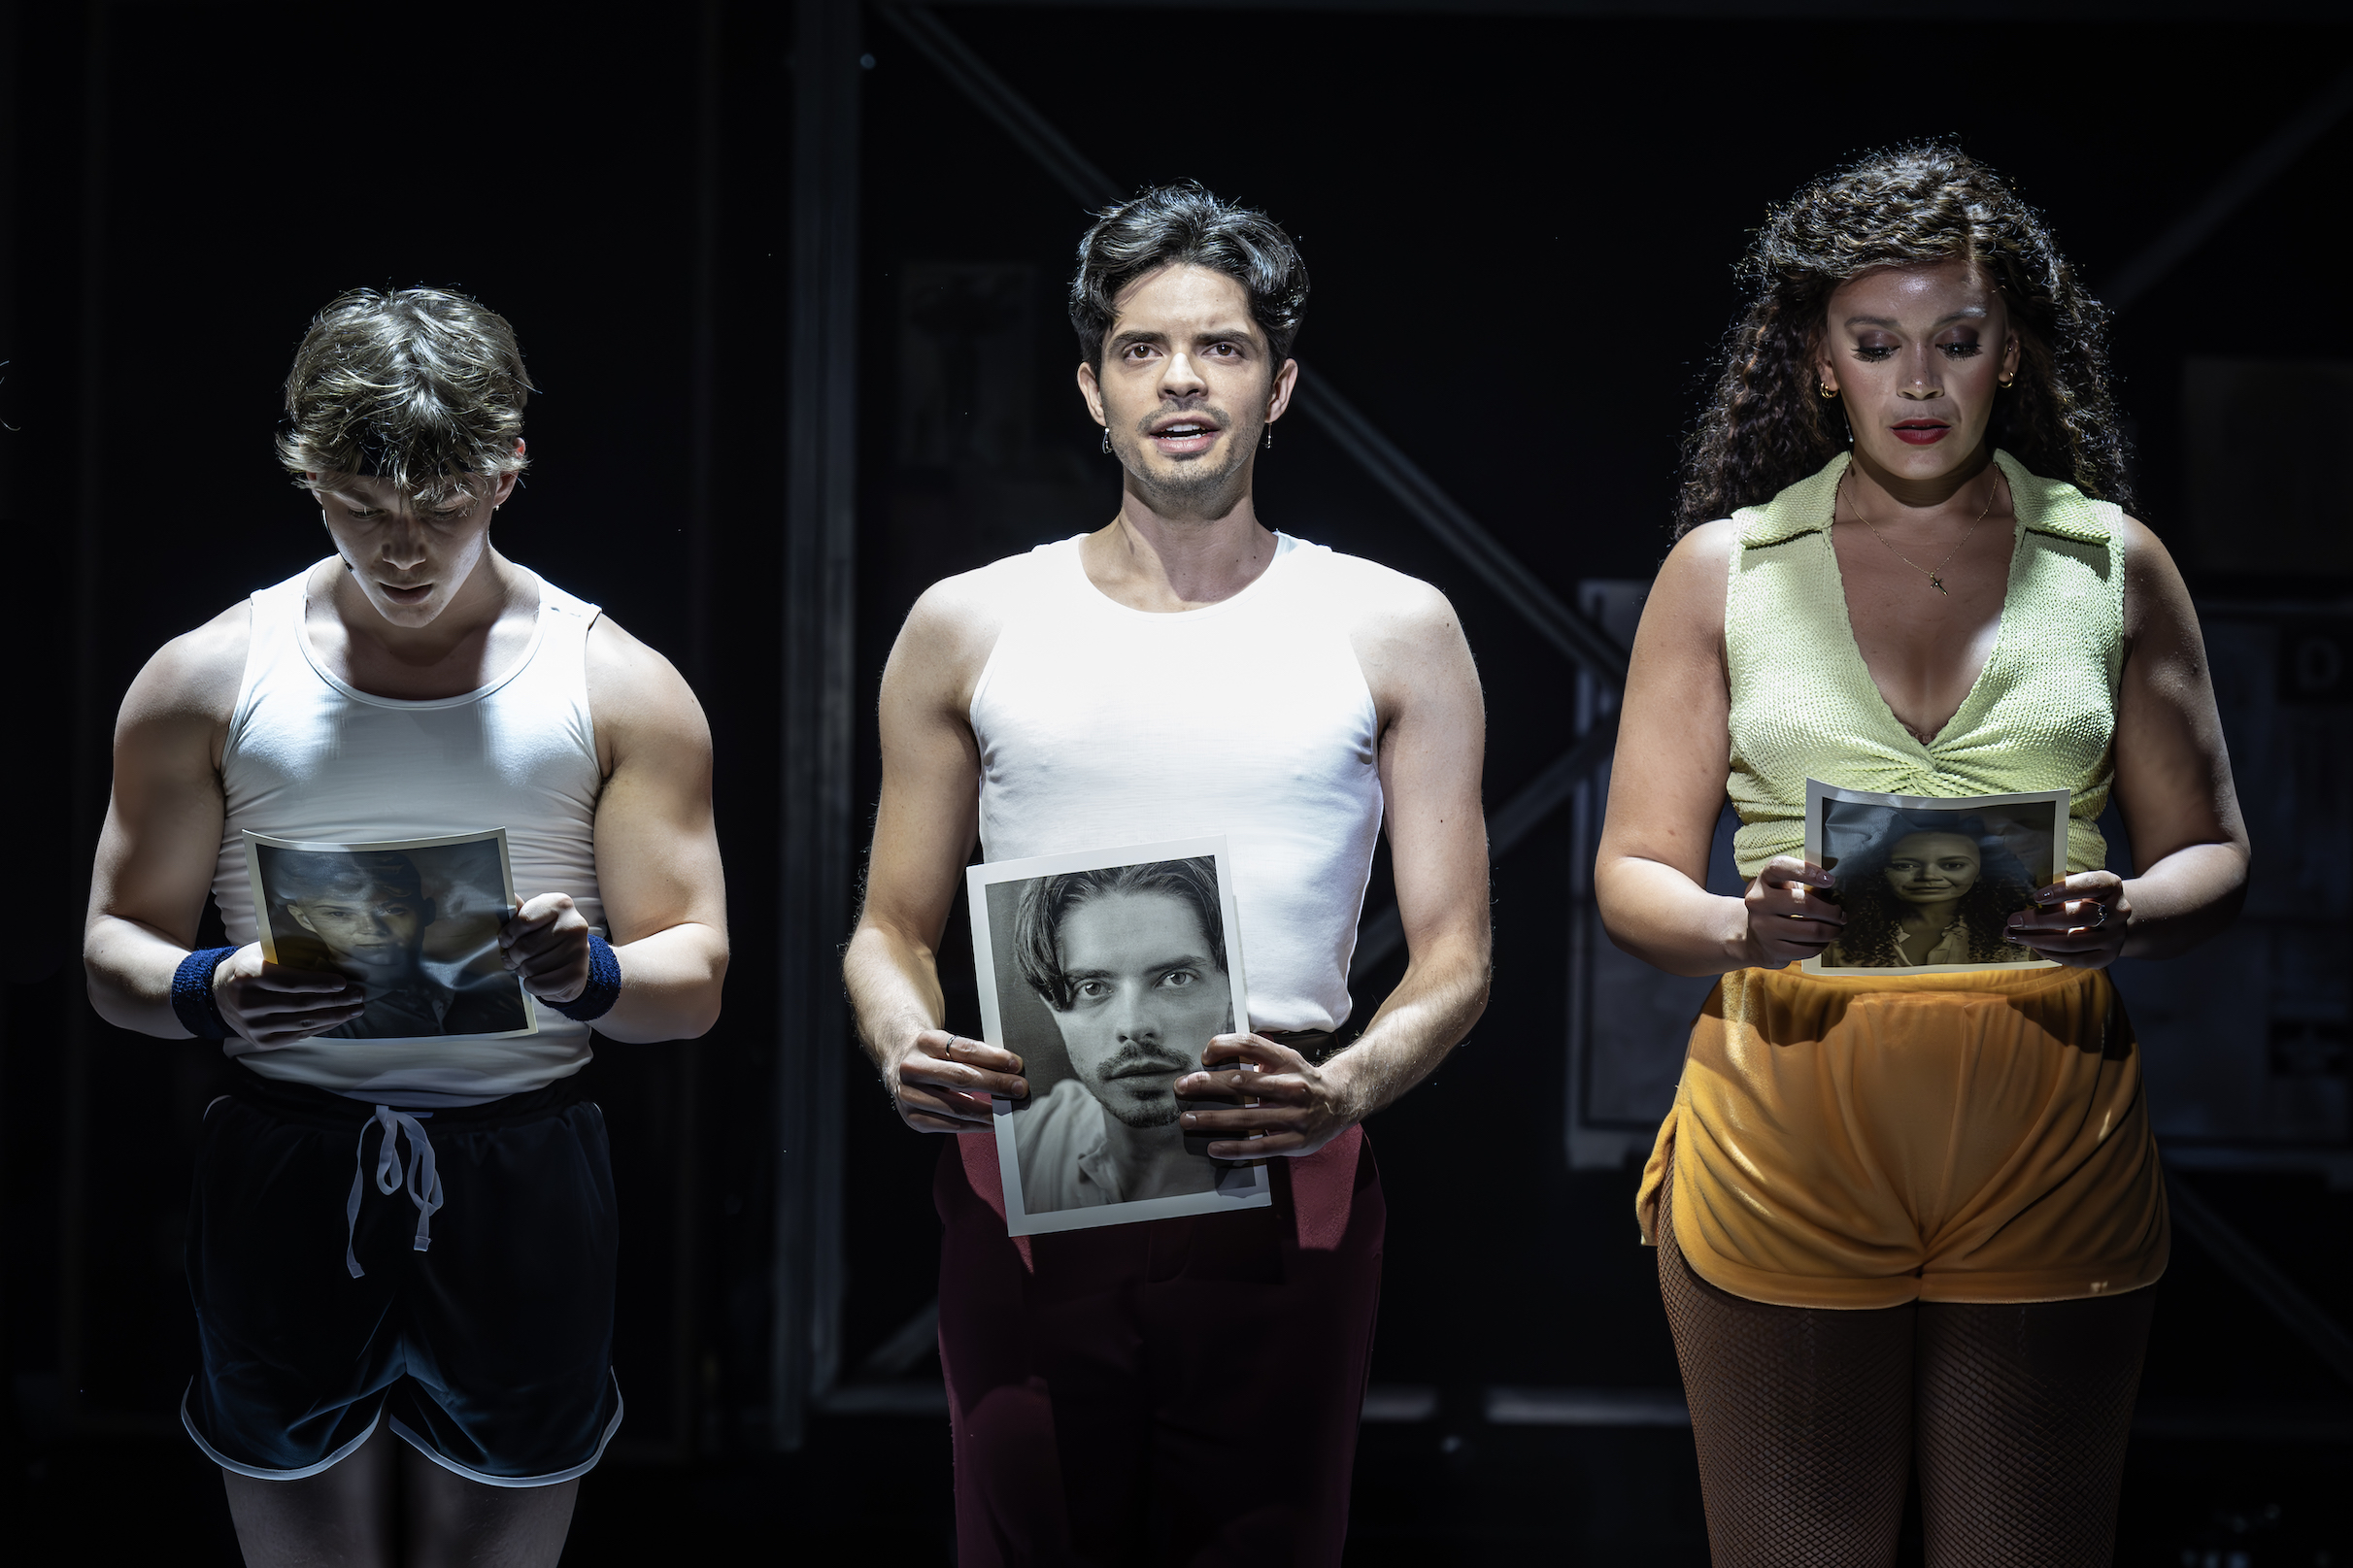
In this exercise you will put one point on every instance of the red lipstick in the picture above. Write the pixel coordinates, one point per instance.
(1921, 432)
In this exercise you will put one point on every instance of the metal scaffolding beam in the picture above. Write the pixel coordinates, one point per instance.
(812, 1037)
(2248, 176)
(2308, 1319)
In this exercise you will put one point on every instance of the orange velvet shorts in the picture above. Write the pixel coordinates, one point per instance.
(1857, 1142)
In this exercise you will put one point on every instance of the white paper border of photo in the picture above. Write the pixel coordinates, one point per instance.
(506, 876)
(1244, 1185)
(1818, 793)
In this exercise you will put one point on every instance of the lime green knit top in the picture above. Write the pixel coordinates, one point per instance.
(2042, 715)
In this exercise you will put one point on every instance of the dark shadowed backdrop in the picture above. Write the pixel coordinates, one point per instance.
(1521, 221)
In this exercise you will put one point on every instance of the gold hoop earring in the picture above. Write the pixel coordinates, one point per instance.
(2007, 383)
(1828, 390)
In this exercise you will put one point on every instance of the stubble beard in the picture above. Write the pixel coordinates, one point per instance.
(1195, 489)
(1143, 1115)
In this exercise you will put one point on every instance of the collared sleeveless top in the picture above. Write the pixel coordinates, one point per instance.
(1099, 726)
(308, 757)
(2042, 715)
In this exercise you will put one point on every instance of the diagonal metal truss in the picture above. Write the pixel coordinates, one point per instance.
(2248, 175)
(2308, 1319)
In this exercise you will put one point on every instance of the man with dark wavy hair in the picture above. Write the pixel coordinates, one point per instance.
(450, 1284)
(1184, 1388)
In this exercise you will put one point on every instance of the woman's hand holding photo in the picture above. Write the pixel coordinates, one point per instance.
(1792, 914)
(2082, 922)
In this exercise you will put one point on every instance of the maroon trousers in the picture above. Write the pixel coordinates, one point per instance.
(1179, 1391)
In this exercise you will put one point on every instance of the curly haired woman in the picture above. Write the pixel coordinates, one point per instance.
(1930, 898)
(1918, 1215)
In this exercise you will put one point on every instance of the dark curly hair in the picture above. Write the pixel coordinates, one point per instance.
(1765, 428)
(1183, 224)
(1874, 914)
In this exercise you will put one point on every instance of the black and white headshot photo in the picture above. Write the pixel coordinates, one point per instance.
(1929, 885)
(416, 922)
(1109, 980)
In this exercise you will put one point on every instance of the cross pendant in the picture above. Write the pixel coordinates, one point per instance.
(1937, 584)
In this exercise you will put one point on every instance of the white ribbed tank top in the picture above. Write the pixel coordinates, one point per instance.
(308, 758)
(1100, 725)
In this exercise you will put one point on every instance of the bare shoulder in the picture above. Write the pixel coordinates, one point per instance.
(2148, 566)
(195, 677)
(1687, 596)
(1407, 638)
(1388, 611)
(2143, 551)
(949, 634)
(2157, 605)
(636, 694)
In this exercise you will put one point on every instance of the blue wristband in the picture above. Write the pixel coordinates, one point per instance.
(192, 1001)
(603, 989)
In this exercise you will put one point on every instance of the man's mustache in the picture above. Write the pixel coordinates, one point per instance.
(1136, 1063)
(1209, 413)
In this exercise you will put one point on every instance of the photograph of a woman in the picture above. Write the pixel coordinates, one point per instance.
(1927, 884)
(1929, 900)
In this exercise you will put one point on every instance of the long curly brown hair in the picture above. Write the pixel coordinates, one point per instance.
(1764, 427)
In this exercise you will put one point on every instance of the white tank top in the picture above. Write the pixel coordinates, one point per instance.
(308, 758)
(1100, 725)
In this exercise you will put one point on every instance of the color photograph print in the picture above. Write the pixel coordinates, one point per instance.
(414, 921)
(1108, 972)
(1928, 884)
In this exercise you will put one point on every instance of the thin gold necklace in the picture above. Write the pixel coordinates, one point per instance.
(1935, 579)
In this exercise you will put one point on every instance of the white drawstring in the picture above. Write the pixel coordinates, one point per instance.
(423, 1179)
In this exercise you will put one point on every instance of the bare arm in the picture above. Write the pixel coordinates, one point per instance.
(923, 832)
(2173, 787)
(1432, 748)
(158, 848)
(1666, 791)
(657, 868)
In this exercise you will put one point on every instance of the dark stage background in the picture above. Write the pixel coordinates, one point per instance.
(1521, 221)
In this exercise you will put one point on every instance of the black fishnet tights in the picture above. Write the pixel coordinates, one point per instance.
(1808, 1422)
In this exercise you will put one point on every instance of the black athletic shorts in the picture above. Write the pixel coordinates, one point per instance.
(481, 1327)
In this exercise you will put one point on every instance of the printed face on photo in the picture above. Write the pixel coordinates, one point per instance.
(377, 928)
(1932, 868)
(1146, 997)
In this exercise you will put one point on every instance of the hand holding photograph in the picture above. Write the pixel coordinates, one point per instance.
(414, 920)
(1928, 883)
(1108, 973)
